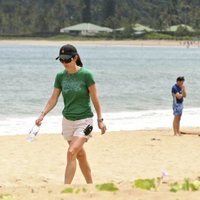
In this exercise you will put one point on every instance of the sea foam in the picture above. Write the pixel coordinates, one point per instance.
(138, 120)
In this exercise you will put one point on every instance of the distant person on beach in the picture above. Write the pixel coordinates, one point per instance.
(77, 87)
(178, 93)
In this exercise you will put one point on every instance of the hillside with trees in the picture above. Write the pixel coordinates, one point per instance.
(23, 17)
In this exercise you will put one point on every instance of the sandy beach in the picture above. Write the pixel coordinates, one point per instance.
(145, 43)
(35, 170)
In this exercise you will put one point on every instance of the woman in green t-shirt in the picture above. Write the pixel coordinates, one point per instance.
(77, 86)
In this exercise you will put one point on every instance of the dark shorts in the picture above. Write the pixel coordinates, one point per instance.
(177, 109)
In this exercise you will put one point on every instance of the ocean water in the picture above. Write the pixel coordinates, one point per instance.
(134, 85)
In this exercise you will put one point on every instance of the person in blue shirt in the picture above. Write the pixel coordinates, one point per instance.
(178, 93)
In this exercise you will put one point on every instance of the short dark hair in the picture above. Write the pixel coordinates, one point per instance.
(180, 78)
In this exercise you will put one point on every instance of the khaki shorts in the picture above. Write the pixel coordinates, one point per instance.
(76, 128)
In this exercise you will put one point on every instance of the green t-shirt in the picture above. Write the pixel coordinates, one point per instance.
(75, 93)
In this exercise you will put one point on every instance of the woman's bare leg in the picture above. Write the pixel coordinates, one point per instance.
(84, 165)
(74, 147)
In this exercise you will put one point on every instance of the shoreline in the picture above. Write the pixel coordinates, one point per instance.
(122, 121)
(184, 130)
(136, 43)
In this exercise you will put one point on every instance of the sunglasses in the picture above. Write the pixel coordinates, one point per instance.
(65, 60)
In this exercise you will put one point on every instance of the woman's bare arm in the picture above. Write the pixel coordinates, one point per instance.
(96, 103)
(50, 105)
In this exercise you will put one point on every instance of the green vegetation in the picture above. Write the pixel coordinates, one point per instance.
(195, 185)
(159, 36)
(153, 184)
(68, 190)
(73, 190)
(144, 184)
(175, 187)
(45, 18)
(109, 187)
(187, 185)
(147, 184)
(6, 197)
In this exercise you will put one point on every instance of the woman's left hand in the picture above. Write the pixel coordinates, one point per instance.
(102, 126)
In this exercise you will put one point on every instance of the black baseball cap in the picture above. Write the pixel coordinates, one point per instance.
(66, 52)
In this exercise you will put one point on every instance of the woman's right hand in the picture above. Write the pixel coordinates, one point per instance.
(38, 121)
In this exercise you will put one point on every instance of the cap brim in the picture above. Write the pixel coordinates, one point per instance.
(64, 57)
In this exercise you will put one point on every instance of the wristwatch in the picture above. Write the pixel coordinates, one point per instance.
(100, 120)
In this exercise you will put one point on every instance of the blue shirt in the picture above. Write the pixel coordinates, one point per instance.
(176, 89)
